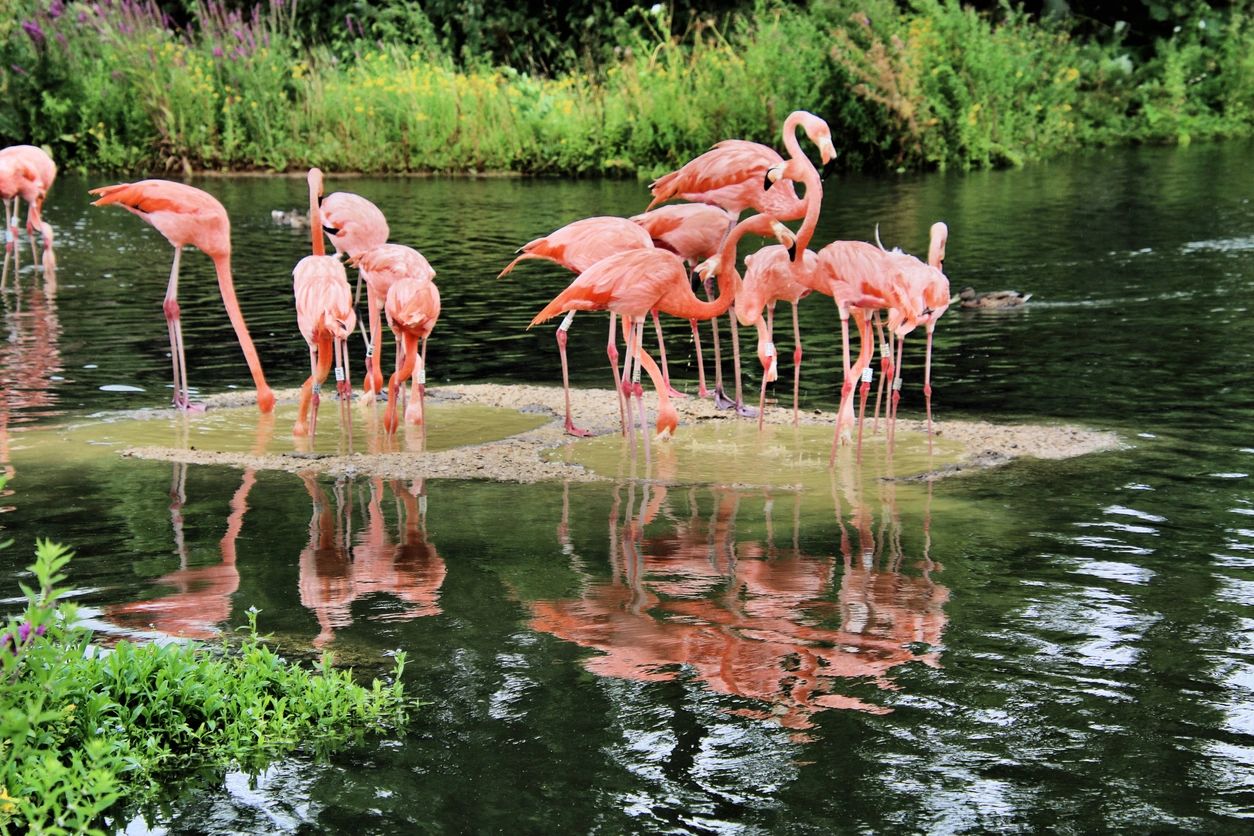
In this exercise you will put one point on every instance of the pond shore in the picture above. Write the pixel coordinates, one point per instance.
(522, 457)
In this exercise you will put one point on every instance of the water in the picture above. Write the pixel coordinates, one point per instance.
(1051, 645)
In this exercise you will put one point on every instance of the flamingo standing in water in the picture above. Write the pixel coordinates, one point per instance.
(771, 276)
(409, 311)
(577, 246)
(860, 277)
(413, 306)
(356, 226)
(694, 231)
(929, 291)
(633, 284)
(26, 172)
(738, 175)
(187, 215)
(324, 312)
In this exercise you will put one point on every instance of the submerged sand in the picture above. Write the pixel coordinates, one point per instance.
(547, 453)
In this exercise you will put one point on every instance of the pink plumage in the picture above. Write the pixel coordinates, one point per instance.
(579, 245)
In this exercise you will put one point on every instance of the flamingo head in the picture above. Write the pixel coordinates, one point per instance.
(821, 135)
(937, 239)
(314, 179)
(667, 422)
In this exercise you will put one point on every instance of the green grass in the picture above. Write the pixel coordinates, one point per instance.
(935, 85)
(86, 732)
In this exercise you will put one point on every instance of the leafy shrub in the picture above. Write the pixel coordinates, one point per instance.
(83, 729)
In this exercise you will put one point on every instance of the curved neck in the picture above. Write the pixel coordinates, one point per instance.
(814, 202)
(315, 217)
(728, 278)
(790, 135)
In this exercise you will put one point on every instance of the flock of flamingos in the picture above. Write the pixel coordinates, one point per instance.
(631, 267)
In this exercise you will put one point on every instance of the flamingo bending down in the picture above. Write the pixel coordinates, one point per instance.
(26, 172)
(694, 231)
(356, 226)
(413, 306)
(859, 277)
(770, 276)
(324, 312)
(634, 283)
(187, 215)
(928, 289)
(738, 175)
(381, 267)
(577, 246)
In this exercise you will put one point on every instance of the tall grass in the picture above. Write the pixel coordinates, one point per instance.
(114, 84)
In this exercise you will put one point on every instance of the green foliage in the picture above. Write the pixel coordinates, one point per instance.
(410, 87)
(82, 729)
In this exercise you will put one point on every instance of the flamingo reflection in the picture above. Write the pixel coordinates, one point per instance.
(30, 355)
(333, 574)
(786, 630)
(202, 596)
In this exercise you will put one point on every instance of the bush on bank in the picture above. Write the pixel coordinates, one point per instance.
(117, 85)
(84, 732)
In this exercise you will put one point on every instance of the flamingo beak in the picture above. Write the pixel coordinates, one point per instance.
(767, 182)
(828, 168)
(792, 252)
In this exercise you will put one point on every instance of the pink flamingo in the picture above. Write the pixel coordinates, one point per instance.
(413, 306)
(356, 226)
(738, 175)
(577, 246)
(381, 267)
(929, 291)
(693, 231)
(324, 312)
(634, 283)
(26, 172)
(384, 268)
(859, 277)
(771, 276)
(187, 215)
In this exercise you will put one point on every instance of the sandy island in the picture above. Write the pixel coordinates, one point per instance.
(524, 457)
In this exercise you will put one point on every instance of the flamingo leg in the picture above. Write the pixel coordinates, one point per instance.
(661, 349)
(8, 241)
(611, 350)
(301, 427)
(325, 355)
(571, 429)
(796, 365)
(182, 397)
(927, 384)
(886, 365)
(343, 388)
(766, 373)
(846, 386)
(415, 412)
(864, 333)
(896, 398)
(702, 392)
(636, 388)
(14, 243)
(741, 409)
(625, 383)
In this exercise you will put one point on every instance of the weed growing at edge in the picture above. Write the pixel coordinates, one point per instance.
(83, 730)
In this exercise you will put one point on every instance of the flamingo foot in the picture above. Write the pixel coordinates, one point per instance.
(721, 401)
(746, 411)
(571, 429)
(675, 393)
(704, 393)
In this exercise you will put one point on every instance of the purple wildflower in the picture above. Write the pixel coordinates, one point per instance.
(17, 69)
(12, 642)
(217, 52)
(55, 9)
(36, 34)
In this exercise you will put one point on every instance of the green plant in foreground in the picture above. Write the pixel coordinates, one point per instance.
(83, 729)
